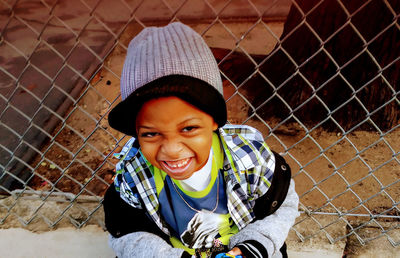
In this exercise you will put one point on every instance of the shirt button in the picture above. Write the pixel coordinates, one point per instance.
(274, 203)
(227, 167)
(283, 167)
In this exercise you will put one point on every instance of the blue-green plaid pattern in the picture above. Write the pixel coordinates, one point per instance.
(248, 169)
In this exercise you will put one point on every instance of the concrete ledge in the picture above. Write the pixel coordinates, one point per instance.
(314, 248)
(318, 245)
(314, 253)
(91, 241)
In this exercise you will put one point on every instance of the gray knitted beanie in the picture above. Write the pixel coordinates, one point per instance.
(168, 61)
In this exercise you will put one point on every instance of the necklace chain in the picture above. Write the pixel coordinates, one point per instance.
(196, 210)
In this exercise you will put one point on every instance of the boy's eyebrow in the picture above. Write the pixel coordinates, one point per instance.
(145, 127)
(188, 120)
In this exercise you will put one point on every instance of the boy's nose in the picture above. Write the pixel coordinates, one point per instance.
(172, 148)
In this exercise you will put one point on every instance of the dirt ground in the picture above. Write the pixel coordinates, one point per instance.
(348, 170)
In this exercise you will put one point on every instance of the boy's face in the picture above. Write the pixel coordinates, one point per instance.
(175, 136)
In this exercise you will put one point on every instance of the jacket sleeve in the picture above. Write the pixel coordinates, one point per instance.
(144, 244)
(132, 233)
(275, 212)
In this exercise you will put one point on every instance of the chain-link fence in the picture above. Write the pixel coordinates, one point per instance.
(318, 78)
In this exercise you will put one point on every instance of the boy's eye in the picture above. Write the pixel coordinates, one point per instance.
(189, 128)
(148, 134)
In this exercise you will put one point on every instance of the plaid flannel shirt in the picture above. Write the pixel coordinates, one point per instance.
(248, 170)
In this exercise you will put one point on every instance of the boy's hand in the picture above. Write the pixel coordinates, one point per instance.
(235, 252)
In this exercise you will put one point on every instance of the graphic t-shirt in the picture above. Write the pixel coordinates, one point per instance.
(198, 219)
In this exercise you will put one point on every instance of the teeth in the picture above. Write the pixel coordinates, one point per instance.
(178, 164)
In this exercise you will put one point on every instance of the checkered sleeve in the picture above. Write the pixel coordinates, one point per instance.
(266, 169)
(261, 163)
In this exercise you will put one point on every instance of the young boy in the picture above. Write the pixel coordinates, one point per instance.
(188, 185)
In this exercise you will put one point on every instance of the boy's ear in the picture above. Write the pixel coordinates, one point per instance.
(214, 126)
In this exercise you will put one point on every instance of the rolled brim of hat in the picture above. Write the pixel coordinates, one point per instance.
(197, 93)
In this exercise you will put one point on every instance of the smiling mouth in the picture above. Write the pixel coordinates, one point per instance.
(178, 165)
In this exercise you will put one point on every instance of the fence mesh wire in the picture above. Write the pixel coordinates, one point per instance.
(326, 97)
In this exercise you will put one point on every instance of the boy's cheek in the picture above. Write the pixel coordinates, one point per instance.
(147, 150)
